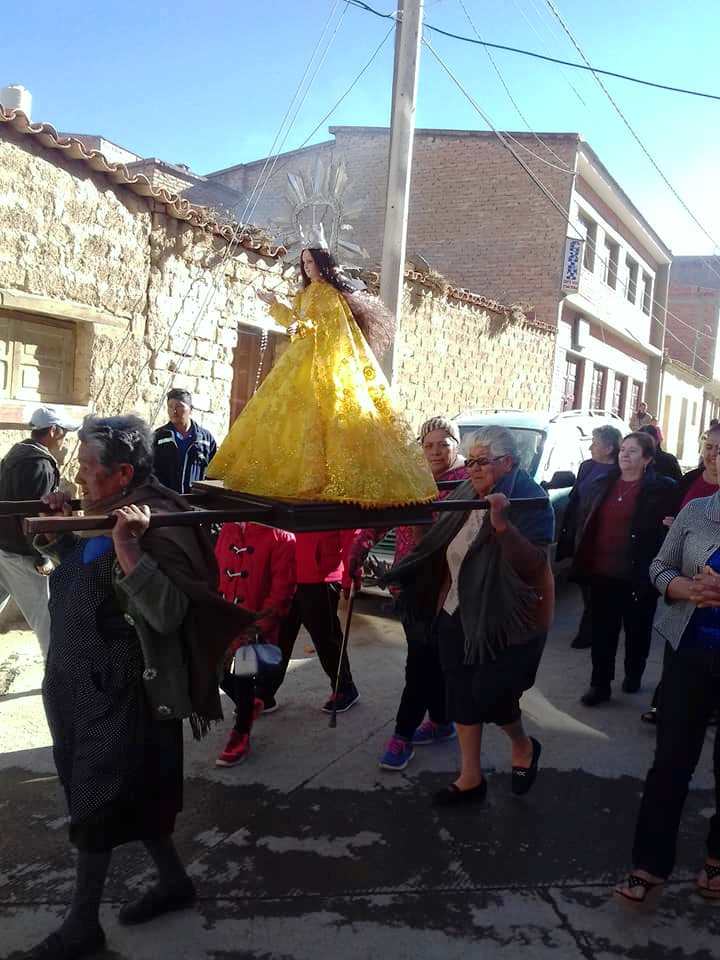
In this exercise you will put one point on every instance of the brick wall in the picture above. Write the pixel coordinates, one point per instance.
(161, 178)
(475, 215)
(692, 326)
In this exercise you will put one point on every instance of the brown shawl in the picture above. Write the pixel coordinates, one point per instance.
(186, 556)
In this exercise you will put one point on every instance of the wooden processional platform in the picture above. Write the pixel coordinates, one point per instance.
(211, 503)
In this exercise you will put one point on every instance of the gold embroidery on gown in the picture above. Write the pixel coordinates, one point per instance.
(321, 426)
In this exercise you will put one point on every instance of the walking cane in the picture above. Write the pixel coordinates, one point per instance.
(343, 648)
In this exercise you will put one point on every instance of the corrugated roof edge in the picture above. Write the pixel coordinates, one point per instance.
(119, 174)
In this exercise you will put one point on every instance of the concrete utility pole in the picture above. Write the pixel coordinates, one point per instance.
(408, 37)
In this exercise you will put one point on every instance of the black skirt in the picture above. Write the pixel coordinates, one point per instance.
(488, 692)
(151, 795)
(120, 764)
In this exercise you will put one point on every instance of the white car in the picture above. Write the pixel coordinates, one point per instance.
(551, 448)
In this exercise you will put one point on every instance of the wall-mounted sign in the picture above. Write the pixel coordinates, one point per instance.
(572, 264)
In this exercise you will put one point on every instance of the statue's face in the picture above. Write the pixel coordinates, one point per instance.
(311, 268)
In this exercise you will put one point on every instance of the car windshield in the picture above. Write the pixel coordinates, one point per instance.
(530, 444)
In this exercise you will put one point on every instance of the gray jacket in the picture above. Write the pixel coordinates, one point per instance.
(157, 609)
(692, 540)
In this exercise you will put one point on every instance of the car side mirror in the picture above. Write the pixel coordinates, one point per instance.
(560, 480)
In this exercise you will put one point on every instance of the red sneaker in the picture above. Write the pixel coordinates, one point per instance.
(236, 750)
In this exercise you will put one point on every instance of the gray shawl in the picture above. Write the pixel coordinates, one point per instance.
(497, 607)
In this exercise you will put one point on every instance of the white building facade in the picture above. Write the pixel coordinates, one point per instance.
(611, 326)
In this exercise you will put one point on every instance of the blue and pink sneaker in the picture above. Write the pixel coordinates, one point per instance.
(398, 754)
(429, 732)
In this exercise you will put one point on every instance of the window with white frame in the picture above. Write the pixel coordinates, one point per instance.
(647, 293)
(610, 266)
(632, 279)
(589, 228)
(619, 395)
(37, 358)
(598, 388)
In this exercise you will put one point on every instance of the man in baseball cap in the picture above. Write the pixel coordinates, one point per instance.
(46, 417)
(29, 471)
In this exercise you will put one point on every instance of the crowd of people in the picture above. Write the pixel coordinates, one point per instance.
(142, 627)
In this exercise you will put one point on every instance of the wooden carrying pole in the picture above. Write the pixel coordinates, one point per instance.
(339, 518)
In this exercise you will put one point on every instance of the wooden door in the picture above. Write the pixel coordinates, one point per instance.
(250, 366)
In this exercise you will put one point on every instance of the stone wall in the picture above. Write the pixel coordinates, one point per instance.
(67, 233)
(156, 302)
(453, 356)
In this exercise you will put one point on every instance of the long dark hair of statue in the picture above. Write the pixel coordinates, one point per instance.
(371, 315)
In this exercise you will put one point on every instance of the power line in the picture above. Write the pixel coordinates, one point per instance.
(514, 102)
(298, 108)
(337, 103)
(273, 152)
(235, 239)
(543, 41)
(360, 4)
(556, 13)
(548, 194)
(522, 146)
(312, 133)
(505, 140)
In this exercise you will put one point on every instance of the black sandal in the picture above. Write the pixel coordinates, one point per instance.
(651, 890)
(712, 871)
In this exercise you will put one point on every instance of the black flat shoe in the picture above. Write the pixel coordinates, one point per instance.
(155, 902)
(631, 685)
(453, 796)
(579, 643)
(594, 696)
(524, 777)
(56, 947)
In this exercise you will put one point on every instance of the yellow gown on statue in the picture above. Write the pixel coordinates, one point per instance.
(321, 426)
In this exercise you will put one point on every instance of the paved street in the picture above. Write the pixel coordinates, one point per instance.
(309, 850)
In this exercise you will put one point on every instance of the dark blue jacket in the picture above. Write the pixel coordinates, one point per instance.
(180, 472)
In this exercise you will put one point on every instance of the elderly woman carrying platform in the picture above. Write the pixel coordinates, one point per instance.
(138, 631)
(482, 581)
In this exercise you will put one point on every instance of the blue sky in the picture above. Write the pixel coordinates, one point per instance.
(208, 83)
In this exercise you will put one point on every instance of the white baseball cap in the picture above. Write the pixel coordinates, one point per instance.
(45, 417)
